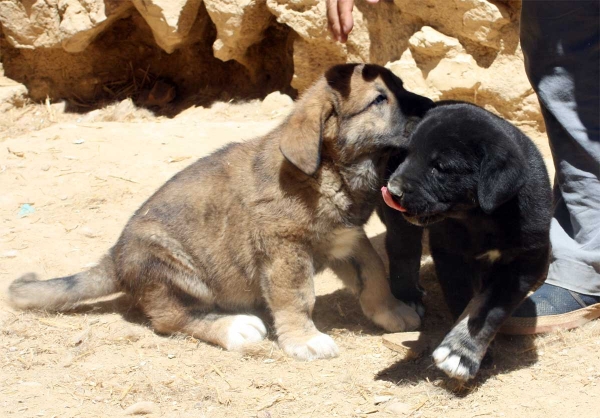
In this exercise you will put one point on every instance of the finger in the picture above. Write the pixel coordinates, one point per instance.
(333, 19)
(346, 20)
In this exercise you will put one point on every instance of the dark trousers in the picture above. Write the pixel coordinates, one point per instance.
(561, 44)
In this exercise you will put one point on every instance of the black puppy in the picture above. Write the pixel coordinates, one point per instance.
(480, 187)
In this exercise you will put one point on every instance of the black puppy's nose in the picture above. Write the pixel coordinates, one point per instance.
(399, 186)
(406, 186)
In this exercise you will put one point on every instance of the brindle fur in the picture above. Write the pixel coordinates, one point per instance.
(251, 224)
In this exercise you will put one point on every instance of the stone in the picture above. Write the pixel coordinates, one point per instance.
(276, 102)
(170, 20)
(460, 72)
(82, 21)
(479, 21)
(442, 49)
(12, 94)
(398, 408)
(69, 24)
(142, 408)
(429, 42)
(240, 24)
(412, 76)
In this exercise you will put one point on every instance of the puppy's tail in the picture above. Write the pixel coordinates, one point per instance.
(63, 293)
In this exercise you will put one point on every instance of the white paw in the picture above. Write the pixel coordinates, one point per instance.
(399, 318)
(244, 329)
(418, 307)
(316, 347)
(453, 364)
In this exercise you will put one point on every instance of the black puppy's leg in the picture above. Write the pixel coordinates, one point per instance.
(456, 273)
(404, 248)
(503, 289)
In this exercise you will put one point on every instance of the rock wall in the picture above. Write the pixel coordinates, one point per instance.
(194, 51)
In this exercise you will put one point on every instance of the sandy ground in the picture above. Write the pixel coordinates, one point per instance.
(85, 174)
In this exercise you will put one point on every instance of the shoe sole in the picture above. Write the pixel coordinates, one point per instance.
(549, 323)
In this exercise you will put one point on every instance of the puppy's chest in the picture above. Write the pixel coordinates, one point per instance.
(346, 199)
(340, 243)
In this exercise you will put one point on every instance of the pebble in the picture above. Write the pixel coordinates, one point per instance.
(381, 399)
(89, 232)
(142, 408)
(398, 408)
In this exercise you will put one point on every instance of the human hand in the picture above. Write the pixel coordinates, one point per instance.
(339, 18)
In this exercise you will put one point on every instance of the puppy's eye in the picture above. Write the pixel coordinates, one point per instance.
(437, 167)
(382, 98)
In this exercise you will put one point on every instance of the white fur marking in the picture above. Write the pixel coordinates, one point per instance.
(491, 255)
(317, 347)
(399, 318)
(343, 241)
(450, 364)
(440, 354)
(245, 329)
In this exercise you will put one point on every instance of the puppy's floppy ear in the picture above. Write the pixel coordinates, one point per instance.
(302, 132)
(501, 176)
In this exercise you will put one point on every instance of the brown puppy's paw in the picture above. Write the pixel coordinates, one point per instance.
(311, 346)
(244, 330)
(397, 317)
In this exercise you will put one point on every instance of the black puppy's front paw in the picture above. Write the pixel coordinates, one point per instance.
(418, 306)
(459, 356)
(413, 297)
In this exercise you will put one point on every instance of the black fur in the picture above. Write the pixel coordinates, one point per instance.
(479, 185)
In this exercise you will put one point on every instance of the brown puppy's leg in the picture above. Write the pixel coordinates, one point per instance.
(171, 311)
(168, 286)
(364, 273)
(290, 296)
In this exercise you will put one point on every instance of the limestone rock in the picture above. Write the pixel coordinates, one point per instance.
(506, 80)
(82, 21)
(50, 24)
(442, 49)
(314, 49)
(276, 102)
(170, 20)
(455, 73)
(240, 24)
(477, 20)
(33, 27)
(412, 76)
(12, 94)
(436, 65)
(432, 43)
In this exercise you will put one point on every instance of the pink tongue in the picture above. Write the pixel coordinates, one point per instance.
(387, 197)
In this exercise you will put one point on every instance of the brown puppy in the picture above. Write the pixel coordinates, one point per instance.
(251, 224)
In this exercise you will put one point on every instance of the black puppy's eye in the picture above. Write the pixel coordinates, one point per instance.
(437, 166)
(379, 99)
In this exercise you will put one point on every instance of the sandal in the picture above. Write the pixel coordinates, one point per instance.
(552, 308)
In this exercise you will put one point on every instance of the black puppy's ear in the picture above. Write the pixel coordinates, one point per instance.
(501, 176)
(302, 132)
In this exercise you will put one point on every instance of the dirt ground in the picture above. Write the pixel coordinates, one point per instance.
(84, 175)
